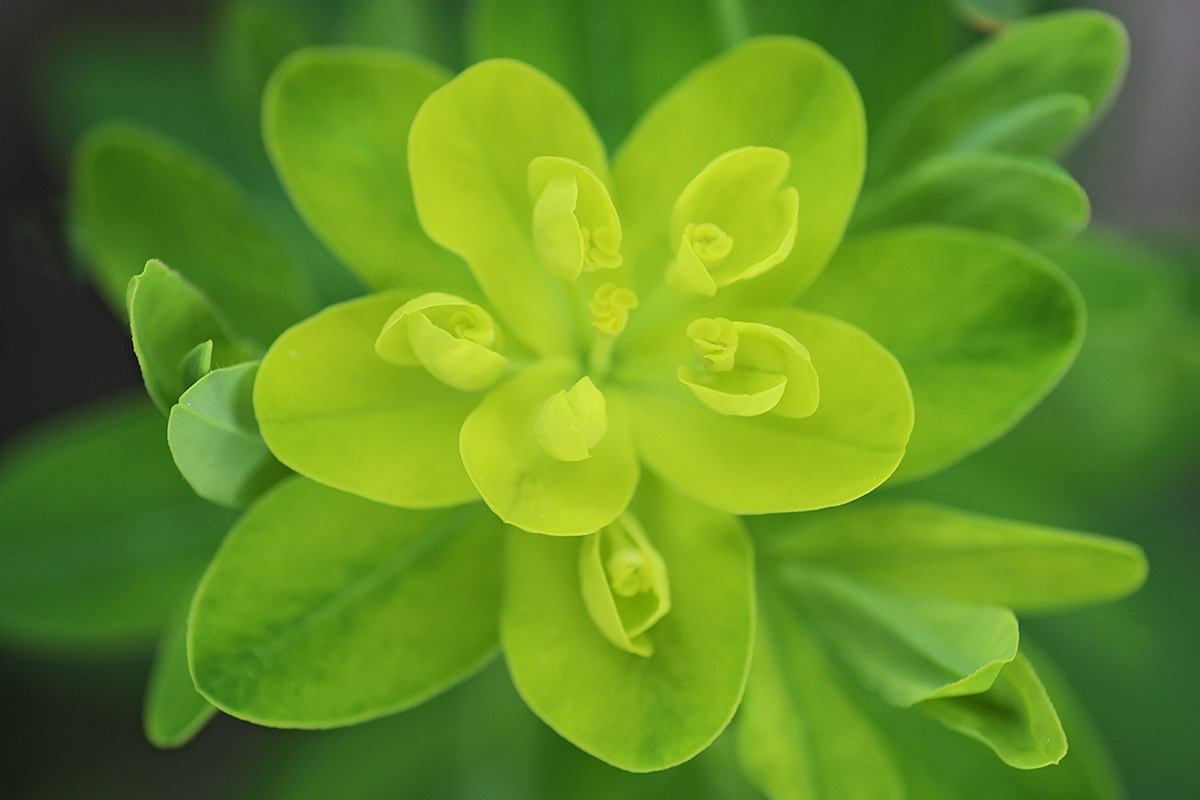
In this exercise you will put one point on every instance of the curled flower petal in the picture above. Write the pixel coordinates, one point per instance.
(750, 369)
(733, 221)
(575, 226)
(453, 339)
(572, 422)
(624, 583)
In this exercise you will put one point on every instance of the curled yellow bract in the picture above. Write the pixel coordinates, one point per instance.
(453, 339)
(624, 583)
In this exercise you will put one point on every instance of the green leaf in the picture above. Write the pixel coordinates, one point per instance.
(771, 92)
(769, 463)
(174, 711)
(637, 713)
(907, 648)
(469, 151)
(252, 36)
(428, 28)
(987, 14)
(215, 441)
(137, 196)
(324, 609)
(616, 57)
(887, 45)
(101, 536)
(799, 736)
(335, 120)
(924, 549)
(1015, 718)
(1021, 198)
(176, 336)
(983, 327)
(1007, 94)
(331, 409)
(518, 477)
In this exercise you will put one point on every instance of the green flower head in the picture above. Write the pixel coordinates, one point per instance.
(619, 316)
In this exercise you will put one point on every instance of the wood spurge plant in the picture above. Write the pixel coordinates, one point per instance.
(633, 423)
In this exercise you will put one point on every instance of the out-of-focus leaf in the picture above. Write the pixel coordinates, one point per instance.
(174, 711)
(1004, 95)
(252, 36)
(1007, 325)
(137, 196)
(799, 736)
(924, 550)
(906, 648)
(324, 609)
(1031, 200)
(887, 45)
(215, 441)
(100, 535)
(429, 28)
(1015, 718)
(615, 57)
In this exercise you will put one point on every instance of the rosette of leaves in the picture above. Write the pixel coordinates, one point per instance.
(540, 329)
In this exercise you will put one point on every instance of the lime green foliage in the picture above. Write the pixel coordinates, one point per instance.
(176, 336)
(330, 408)
(333, 122)
(640, 713)
(303, 617)
(1008, 325)
(910, 598)
(174, 711)
(528, 483)
(908, 649)
(1014, 717)
(215, 441)
(1027, 92)
(101, 537)
(136, 196)
(925, 549)
(730, 103)
(799, 736)
(1023, 198)
(252, 37)
(546, 325)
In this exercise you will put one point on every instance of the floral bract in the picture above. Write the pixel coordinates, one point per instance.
(619, 319)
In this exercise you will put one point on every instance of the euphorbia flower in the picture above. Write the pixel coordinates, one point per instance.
(613, 320)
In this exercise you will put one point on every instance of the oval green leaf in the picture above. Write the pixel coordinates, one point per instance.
(637, 713)
(137, 196)
(799, 736)
(906, 648)
(331, 409)
(176, 336)
(335, 121)
(215, 441)
(771, 463)
(529, 488)
(1030, 200)
(925, 549)
(772, 92)
(101, 537)
(984, 99)
(325, 609)
(469, 152)
(174, 711)
(1007, 325)
(1015, 718)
